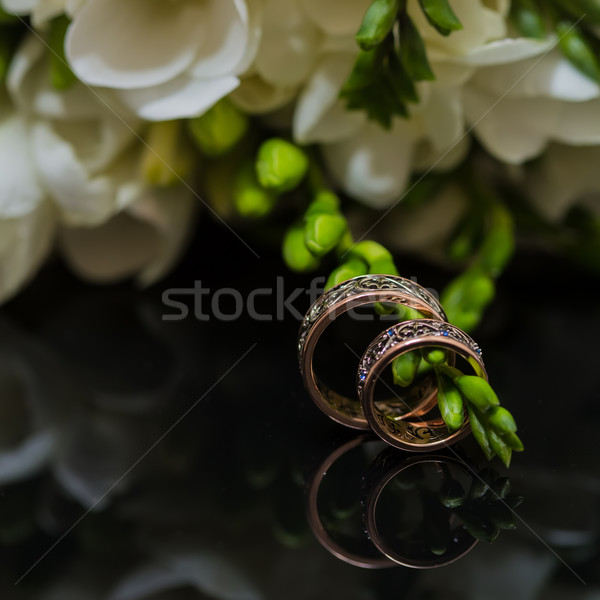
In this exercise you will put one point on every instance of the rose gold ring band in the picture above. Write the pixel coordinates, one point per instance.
(419, 435)
(348, 295)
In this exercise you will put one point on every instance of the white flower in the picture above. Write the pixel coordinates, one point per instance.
(68, 161)
(519, 107)
(164, 60)
(564, 177)
(374, 165)
(27, 221)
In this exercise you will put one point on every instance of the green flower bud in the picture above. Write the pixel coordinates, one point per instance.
(412, 51)
(513, 442)
(440, 15)
(450, 403)
(166, 160)
(406, 313)
(371, 252)
(295, 253)
(501, 420)
(577, 49)
(280, 165)
(377, 23)
(477, 391)
(404, 368)
(464, 239)
(466, 320)
(218, 130)
(479, 431)
(61, 74)
(499, 447)
(322, 232)
(528, 19)
(435, 357)
(325, 202)
(451, 494)
(383, 267)
(351, 268)
(479, 292)
(499, 245)
(250, 199)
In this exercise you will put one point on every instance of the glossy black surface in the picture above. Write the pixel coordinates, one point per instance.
(173, 457)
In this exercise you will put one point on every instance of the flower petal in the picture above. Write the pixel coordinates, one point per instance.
(134, 44)
(24, 244)
(145, 240)
(179, 98)
(373, 165)
(289, 44)
(171, 212)
(550, 75)
(20, 191)
(256, 96)
(334, 17)
(320, 115)
(566, 175)
(505, 126)
(225, 42)
(507, 50)
(81, 198)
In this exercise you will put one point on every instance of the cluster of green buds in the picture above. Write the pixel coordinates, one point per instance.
(575, 22)
(465, 298)
(322, 229)
(392, 58)
(493, 426)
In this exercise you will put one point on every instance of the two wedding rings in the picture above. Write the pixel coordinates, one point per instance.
(404, 418)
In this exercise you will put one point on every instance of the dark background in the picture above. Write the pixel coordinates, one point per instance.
(179, 451)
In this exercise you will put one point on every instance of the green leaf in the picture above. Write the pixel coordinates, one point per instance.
(440, 15)
(412, 51)
(377, 23)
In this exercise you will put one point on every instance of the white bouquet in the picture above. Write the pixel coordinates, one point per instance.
(424, 109)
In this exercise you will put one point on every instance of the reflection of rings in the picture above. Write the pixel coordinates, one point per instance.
(370, 558)
(416, 436)
(461, 541)
(359, 291)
